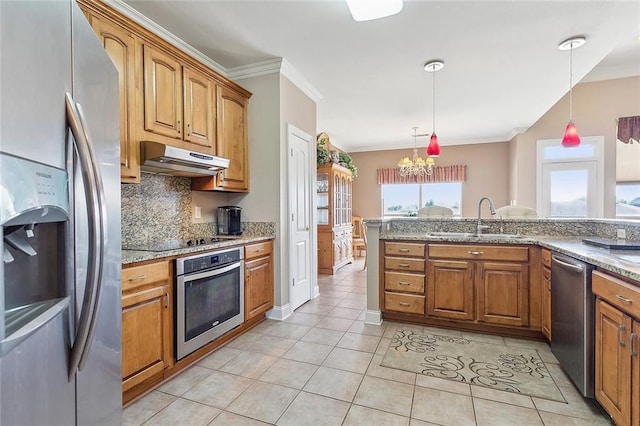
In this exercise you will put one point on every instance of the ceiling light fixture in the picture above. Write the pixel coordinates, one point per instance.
(415, 166)
(433, 150)
(571, 137)
(366, 10)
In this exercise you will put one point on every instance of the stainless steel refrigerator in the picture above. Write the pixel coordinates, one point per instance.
(60, 338)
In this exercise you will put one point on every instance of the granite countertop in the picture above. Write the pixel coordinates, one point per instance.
(135, 256)
(603, 258)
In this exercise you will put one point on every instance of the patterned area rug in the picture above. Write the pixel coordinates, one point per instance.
(494, 366)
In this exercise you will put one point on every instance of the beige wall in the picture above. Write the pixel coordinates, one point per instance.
(596, 106)
(487, 175)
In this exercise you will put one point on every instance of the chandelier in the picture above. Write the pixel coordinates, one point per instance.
(416, 166)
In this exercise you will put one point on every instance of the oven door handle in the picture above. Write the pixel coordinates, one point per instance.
(212, 272)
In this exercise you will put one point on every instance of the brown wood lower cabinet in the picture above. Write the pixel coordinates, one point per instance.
(404, 278)
(258, 279)
(450, 289)
(617, 346)
(147, 323)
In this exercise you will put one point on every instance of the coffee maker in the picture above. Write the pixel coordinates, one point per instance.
(229, 220)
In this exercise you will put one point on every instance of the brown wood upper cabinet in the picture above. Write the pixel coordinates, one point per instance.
(178, 102)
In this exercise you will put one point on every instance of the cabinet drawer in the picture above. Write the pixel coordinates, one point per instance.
(404, 249)
(257, 250)
(396, 281)
(141, 275)
(471, 251)
(546, 258)
(404, 303)
(404, 264)
(617, 292)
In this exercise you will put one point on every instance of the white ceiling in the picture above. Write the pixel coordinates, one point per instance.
(502, 71)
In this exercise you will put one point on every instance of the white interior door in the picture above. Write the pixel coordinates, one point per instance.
(300, 179)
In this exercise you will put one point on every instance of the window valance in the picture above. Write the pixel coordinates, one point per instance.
(456, 173)
(629, 129)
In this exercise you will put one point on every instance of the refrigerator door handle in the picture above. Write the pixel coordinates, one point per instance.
(88, 180)
(102, 218)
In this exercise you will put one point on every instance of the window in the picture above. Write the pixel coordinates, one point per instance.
(570, 180)
(406, 199)
(628, 200)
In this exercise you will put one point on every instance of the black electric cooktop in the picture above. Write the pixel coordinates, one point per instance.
(612, 244)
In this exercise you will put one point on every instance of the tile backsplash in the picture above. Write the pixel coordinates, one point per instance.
(159, 209)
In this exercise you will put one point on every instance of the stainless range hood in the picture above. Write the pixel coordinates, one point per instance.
(170, 160)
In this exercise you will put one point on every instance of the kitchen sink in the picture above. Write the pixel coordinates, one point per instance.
(500, 236)
(474, 235)
(451, 234)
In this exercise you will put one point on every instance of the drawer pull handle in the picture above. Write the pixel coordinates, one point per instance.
(138, 277)
(475, 252)
(634, 353)
(403, 282)
(403, 304)
(403, 265)
(404, 250)
(621, 328)
(624, 299)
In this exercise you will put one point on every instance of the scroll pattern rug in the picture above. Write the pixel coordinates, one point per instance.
(494, 366)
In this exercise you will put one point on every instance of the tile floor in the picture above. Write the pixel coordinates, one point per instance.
(321, 366)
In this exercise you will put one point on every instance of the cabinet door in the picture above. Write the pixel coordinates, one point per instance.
(120, 46)
(450, 289)
(199, 115)
(613, 362)
(546, 303)
(145, 347)
(162, 93)
(503, 293)
(232, 140)
(258, 293)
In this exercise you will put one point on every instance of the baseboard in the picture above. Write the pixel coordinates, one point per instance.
(373, 317)
(316, 291)
(279, 313)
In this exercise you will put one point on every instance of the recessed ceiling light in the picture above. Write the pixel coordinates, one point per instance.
(366, 10)
(572, 43)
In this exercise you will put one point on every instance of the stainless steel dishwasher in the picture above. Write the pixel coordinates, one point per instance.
(572, 320)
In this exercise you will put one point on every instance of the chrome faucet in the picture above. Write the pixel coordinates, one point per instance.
(492, 210)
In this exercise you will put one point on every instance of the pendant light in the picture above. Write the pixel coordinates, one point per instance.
(433, 150)
(571, 137)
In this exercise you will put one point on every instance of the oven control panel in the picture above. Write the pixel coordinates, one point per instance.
(211, 260)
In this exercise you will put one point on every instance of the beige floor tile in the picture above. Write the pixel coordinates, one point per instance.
(383, 346)
(391, 329)
(263, 401)
(443, 408)
(218, 390)
(552, 419)
(349, 360)
(482, 337)
(302, 318)
(443, 384)
(264, 326)
(312, 353)
(271, 345)
(333, 383)
(362, 316)
(219, 358)
(376, 370)
(576, 405)
(502, 396)
(246, 340)
(180, 410)
(359, 416)
(228, 419)
(289, 331)
(289, 373)
(385, 395)
(186, 380)
(323, 336)
(492, 413)
(442, 331)
(310, 409)
(356, 296)
(249, 364)
(347, 313)
(548, 357)
(353, 304)
(416, 422)
(144, 408)
(368, 329)
(329, 301)
(527, 344)
(314, 308)
(558, 375)
(332, 323)
(359, 342)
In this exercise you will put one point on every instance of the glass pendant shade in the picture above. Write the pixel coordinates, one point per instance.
(571, 137)
(433, 150)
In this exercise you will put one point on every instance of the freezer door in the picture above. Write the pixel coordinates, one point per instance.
(95, 92)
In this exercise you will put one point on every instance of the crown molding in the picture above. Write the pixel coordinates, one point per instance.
(150, 25)
(302, 83)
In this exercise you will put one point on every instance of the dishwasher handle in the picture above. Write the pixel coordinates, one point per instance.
(572, 266)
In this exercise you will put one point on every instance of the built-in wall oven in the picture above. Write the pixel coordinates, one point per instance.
(209, 297)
